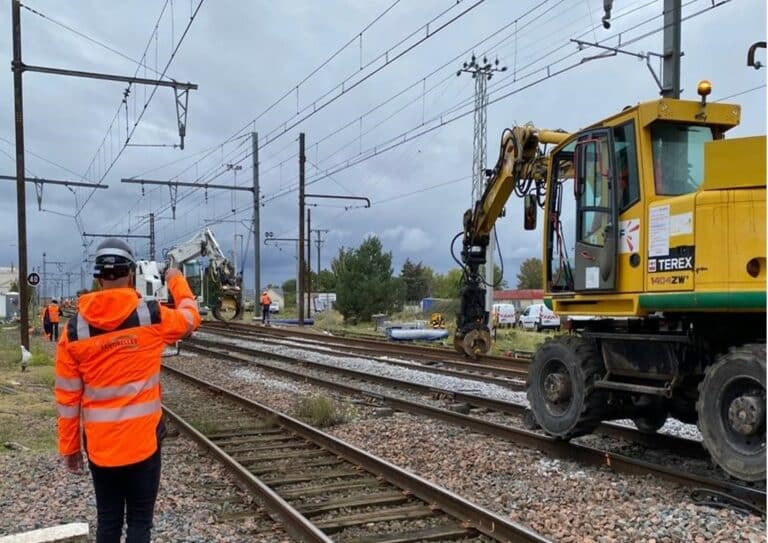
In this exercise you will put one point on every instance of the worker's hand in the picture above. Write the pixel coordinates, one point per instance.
(74, 462)
(170, 273)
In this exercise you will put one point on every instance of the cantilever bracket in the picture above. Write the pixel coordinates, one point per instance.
(39, 194)
(173, 190)
(614, 51)
(182, 102)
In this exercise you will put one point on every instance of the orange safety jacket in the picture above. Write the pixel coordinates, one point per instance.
(265, 299)
(53, 312)
(108, 371)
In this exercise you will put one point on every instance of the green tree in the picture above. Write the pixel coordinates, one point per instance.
(364, 281)
(417, 280)
(14, 286)
(448, 285)
(530, 274)
(325, 281)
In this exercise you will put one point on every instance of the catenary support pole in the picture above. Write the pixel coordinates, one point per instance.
(21, 194)
(670, 72)
(300, 278)
(256, 220)
(309, 263)
(152, 236)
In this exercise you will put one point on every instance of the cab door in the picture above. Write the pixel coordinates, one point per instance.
(596, 213)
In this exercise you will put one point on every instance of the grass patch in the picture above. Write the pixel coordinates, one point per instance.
(27, 410)
(320, 411)
(513, 339)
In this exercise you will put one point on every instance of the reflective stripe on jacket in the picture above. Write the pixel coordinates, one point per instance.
(53, 312)
(108, 371)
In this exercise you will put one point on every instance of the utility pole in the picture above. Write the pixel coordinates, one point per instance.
(18, 68)
(319, 241)
(256, 218)
(309, 263)
(482, 73)
(21, 195)
(152, 236)
(300, 278)
(670, 71)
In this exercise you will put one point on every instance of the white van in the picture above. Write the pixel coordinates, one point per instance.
(506, 316)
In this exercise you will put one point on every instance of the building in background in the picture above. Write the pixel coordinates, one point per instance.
(519, 298)
(8, 276)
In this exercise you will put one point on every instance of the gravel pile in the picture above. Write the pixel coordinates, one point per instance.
(198, 501)
(564, 501)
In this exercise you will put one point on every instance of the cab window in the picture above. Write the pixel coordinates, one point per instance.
(625, 149)
(594, 202)
(678, 157)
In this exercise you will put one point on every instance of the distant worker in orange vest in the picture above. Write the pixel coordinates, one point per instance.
(52, 311)
(108, 374)
(266, 301)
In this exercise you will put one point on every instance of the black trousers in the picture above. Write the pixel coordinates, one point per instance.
(126, 491)
(54, 331)
(265, 313)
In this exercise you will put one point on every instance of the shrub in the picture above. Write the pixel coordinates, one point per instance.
(321, 411)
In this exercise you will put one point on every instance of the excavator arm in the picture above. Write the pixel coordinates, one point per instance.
(521, 168)
(222, 290)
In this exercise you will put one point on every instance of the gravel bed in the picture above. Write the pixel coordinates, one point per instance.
(562, 500)
(196, 497)
(374, 367)
(701, 466)
(457, 384)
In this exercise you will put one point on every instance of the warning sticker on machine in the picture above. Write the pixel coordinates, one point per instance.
(629, 236)
(658, 231)
(679, 259)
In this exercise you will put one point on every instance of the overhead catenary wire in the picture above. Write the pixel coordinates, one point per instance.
(389, 61)
(86, 37)
(408, 136)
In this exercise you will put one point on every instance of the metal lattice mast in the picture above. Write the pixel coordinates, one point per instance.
(482, 73)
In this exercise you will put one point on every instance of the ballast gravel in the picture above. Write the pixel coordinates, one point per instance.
(198, 500)
(564, 501)
(416, 375)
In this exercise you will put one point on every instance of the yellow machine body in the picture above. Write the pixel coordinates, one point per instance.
(712, 235)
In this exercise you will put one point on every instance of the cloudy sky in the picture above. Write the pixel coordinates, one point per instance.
(383, 117)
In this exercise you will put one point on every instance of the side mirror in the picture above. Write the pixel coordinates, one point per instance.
(530, 207)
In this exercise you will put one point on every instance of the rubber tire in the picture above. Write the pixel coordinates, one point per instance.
(745, 360)
(588, 404)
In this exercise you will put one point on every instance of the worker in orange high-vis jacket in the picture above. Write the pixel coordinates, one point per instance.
(108, 377)
(265, 302)
(53, 317)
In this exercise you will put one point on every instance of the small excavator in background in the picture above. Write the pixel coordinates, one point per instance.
(654, 247)
(210, 275)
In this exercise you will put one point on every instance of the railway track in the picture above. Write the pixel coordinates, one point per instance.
(320, 488)
(509, 377)
(382, 346)
(748, 497)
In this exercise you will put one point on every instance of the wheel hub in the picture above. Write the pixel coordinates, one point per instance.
(746, 414)
(557, 387)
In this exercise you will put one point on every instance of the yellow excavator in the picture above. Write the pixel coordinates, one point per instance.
(654, 249)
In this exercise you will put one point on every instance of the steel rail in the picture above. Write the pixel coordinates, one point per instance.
(470, 514)
(439, 353)
(294, 522)
(683, 446)
(551, 446)
(497, 376)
